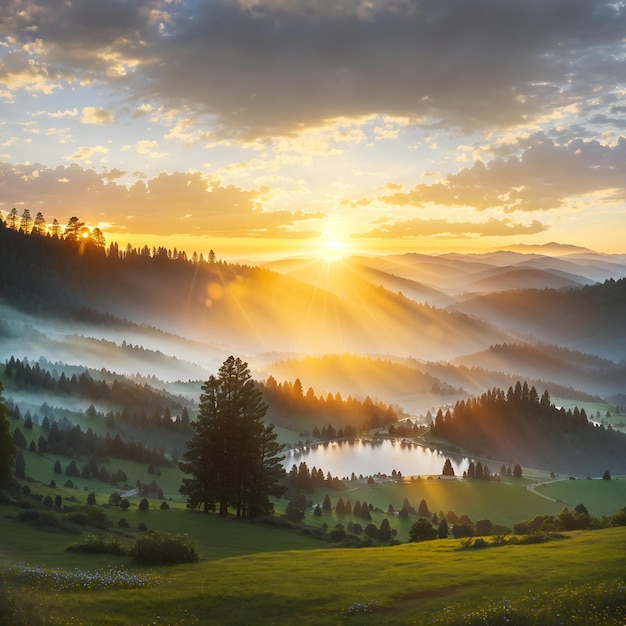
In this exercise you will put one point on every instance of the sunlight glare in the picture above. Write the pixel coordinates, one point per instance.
(332, 249)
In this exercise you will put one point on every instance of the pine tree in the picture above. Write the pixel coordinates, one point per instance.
(422, 510)
(448, 470)
(443, 529)
(7, 449)
(18, 438)
(20, 465)
(326, 506)
(233, 457)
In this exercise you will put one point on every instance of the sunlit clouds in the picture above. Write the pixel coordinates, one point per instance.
(415, 124)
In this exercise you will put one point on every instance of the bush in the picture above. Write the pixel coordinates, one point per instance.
(39, 518)
(163, 549)
(88, 516)
(95, 544)
(337, 534)
(422, 530)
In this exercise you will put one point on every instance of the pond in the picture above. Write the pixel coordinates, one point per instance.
(369, 457)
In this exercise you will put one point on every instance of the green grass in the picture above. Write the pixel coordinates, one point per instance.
(503, 503)
(601, 497)
(255, 573)
(408, 584)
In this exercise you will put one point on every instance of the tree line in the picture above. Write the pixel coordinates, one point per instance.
(519, 423)
(70, 440)
(289, 397)
(83, 385)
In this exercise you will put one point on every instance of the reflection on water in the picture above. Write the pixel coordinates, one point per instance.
(370, 457)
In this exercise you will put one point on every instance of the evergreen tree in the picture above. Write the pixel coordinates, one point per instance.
(18, 438)
(39, 225)
(20, 465)
(26, 223)
(73, 229)
(233, 457)
(11, 219)
(448, 470)
(7, 449)
(422, 510)
(422, 530)
(443, 529)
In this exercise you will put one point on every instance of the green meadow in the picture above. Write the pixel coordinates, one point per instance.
(438, 582)
(280, 573)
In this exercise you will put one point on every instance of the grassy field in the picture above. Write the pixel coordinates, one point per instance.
(432, 582)
(601, 497)
(271, 574)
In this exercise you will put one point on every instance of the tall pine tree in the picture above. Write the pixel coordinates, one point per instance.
(233, 457)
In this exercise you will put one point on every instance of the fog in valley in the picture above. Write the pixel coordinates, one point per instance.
(415, 332)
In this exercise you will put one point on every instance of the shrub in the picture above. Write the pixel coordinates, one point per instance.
(142, 526)
(422, 530)
(163, 549)
(164, 506)
(462, 530)
(371, 531)
(89, 516)
(337, 534)
(619, 519)
(95, 544)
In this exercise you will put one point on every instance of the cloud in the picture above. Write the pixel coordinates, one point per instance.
(93, 115)
(145, 147)
(271, 67)
(417, 227)
(174, 203)
(545, 176)
(86, 152)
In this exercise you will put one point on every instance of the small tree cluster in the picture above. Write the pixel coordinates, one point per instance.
(163, 549)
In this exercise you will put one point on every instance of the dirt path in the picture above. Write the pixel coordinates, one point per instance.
(533, 488)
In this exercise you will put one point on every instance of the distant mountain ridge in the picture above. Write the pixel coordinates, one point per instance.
(250, 309)
(588, 319)
(552, 248)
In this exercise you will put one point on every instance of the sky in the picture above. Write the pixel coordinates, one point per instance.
(262, 128)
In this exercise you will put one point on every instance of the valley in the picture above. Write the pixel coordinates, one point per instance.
(378, 360)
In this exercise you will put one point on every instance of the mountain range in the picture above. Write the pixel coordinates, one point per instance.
(413, 329)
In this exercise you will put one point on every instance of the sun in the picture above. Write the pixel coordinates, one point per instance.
(331, 249)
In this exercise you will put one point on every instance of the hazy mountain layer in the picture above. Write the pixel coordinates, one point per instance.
(589, 319)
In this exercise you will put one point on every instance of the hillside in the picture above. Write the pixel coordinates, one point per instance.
(361, 376)
(519, 425)
(588, 319)
(586, 372)
(249, 309)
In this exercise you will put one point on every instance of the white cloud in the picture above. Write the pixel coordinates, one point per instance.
(94, 115)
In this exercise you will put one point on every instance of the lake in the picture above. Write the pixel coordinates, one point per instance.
(370, 457)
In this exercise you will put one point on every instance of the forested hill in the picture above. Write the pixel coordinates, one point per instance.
(247, 308)
(518, 426)
(590, 319)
